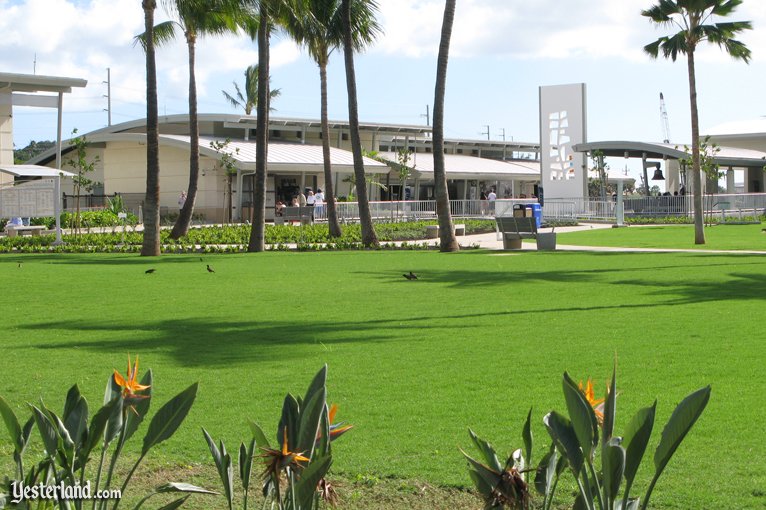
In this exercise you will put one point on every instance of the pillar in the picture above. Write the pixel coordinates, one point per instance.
(730, 186)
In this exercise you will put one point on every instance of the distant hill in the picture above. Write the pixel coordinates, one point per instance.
(30, 151)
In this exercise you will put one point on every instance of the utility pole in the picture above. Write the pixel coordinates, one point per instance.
(502, 133)
(108, 95)
(487, 132)
(34, 65)
(427, 115)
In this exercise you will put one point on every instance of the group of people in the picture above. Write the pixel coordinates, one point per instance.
(306, 199)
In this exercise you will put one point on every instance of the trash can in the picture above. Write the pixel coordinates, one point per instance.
(518, 210)
(537, 213)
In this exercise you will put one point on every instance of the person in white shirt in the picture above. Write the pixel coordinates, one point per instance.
(310, 199)
(319, 203)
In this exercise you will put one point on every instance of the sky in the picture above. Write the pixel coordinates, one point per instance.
(502, 51)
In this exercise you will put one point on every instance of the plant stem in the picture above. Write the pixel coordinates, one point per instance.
(649, 492)
(127, 479)
(98, 473)
(598, 486)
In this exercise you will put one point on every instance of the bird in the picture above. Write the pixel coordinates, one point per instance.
(410, 276)
(150, 271)
(210, 269)
(19, 265)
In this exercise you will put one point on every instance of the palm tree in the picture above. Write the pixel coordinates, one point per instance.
(690, 17)
(249, 99)
(447, 240)
(151, 241)
(319, 27)
(193, 18)
(260, 26)
(369, 239)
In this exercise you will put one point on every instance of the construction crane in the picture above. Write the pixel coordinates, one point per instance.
(664, 120)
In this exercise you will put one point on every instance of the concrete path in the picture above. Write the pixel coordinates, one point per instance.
(491, 242)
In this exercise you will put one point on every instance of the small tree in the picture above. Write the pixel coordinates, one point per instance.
(228, 163)
(598, 187)
(404, 169)
(82, 166)
(708, 152)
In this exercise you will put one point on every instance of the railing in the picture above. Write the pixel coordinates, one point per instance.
(408, 210)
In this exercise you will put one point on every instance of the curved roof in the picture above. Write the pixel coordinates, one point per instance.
(727, 156)
(741, 128)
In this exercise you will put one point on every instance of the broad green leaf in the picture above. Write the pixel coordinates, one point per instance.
(487, 451)
(610, 409)
(47, 431)
(681, 421)
(112, 390)
(613, 468)
(308, 427)
(12, 424)
(636, 437)
(170, 416)
(481, 485)
(73, 396)
(76, 418)
(290, 418)
(562, 432)
(318, 382)
(246, 454)
(526, 437)
(141, 407)
(306, 486)
(114, 423)
(582, 416)
(324, 427)
(182, 487)
(489, 476)
(97, 427)
(26, 431)
(545, 472)
(223, 465)
(258, 435)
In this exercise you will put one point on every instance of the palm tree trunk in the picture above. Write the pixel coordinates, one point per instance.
(447, 240)
(151, 242)
(258, 230)
(181, 227)
(699, 228)
(369, 239)
(332, 213)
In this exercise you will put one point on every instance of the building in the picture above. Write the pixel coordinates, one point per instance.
(294, 162)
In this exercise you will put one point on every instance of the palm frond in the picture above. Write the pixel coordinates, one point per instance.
(165, 32)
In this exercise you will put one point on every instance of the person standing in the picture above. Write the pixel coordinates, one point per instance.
(310, 199)
(319, 204)
(491, 199)
(182, 200)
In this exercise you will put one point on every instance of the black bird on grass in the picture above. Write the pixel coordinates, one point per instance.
(210, 269)
(410, 276)
(150, 271)
(19, 265)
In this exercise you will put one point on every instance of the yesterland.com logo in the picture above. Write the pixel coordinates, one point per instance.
(23, 492)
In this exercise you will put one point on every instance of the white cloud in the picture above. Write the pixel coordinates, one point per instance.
(549, 29)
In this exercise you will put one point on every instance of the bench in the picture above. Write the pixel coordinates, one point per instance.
(14, 230)
(514, 229)
(432, 231)
(304, 215)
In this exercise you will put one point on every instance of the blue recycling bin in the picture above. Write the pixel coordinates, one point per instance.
(537, 213)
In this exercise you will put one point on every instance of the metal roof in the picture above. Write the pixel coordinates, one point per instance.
(38, 83)
(727, 156)
(34, 171)
(283, 156)
(459, 166)
(249, 121)
(740, 128)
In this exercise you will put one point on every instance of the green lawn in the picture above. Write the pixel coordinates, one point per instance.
(719, 237)
(480, 338)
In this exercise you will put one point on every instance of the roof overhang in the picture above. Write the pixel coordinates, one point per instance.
(727, 156)
(462, 167)
(36, 83)
(34, 171)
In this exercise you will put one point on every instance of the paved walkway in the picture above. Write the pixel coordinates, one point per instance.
(491, 242)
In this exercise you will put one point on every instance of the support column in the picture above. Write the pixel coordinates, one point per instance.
(730, 186)
(6, 128)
